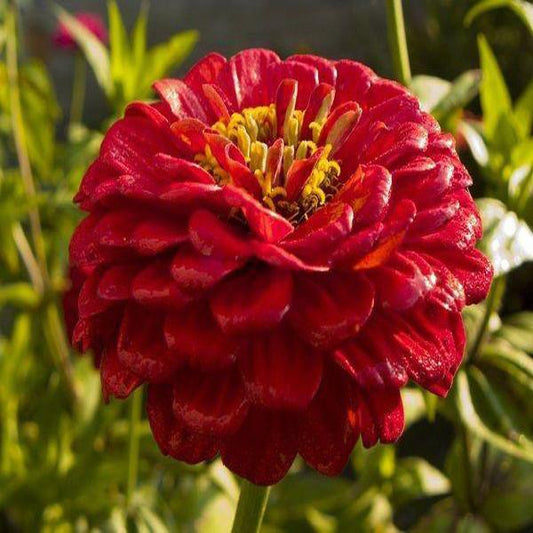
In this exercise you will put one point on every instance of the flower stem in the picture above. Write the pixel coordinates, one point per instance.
(133, 452)
(397, 41)
(251, 508)
(78, 90)
(493, 302)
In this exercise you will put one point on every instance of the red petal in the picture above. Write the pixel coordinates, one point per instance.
(247, 71)
(205, 71)
(370, 368)
(180, 170)
(315, 238)
(472, 269)
(264, 447)
(405, 279)
(195, 272)
(382, 417)
(329, 308)
(141, 345)
(305, 75)
(213, 237)
(353, 81)
(218, 102)
(180, 98)
(155, 286)
(367, 192)
(286, 95)
(188, 135)
(115, 283)
(172, 437)
(299, 173)
(193, 333)
(117, 380)
(254, 300)
(131, 143)
(427, 341)
(327, 72)
(210, 402)
(280, 371)
(321, 99)
(329, 426)
(265, 223)
(392, 235)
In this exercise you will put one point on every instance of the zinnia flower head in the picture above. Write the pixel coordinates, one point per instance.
(276, 248)
(91, 21)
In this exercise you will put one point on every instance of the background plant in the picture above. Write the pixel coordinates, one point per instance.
(67, 463)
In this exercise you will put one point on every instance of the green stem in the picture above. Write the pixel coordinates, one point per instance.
(78, 90)
(133, 452)
(251, 508)
(397, 41)
(492, 303)
(42, 281)
(19, 133)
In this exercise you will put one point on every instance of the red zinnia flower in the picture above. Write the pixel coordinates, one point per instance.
(63, 37)
(275, 248)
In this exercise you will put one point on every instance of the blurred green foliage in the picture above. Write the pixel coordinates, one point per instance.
(464, 464)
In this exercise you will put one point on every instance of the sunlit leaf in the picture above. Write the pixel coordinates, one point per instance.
(523, 110)
(430, 90)
(494, 95)
(507, 240)
(118, 42)
(416, 478)
(475, 142)
(461, 92)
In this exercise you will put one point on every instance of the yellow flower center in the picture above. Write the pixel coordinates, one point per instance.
(254, 131)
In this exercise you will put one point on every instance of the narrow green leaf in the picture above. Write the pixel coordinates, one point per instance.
(470, 417)
(165, 57)
(95, 52)
(463, 89)
(523, 111)
(522, 8)
(119, 43)
(495, 99)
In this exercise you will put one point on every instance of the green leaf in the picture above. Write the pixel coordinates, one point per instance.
(523, 111)
(475, 142)
(468, 412)
(20, 294)
(430, 90)
(462, 91)
(416, 478)
(161, 59)
(119, 44)
(518, 330)
(95, 52)
(507, 240)
(495, 99)
(522, 8)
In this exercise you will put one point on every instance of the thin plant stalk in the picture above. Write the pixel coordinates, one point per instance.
(133, 447)
(398, 41)
(78, 91)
